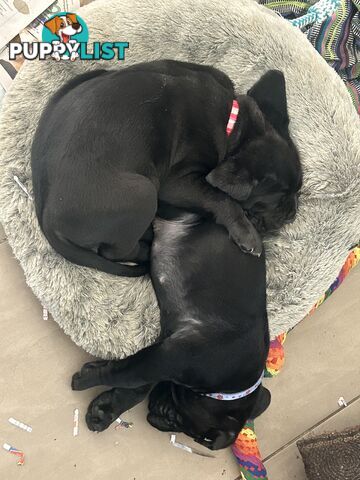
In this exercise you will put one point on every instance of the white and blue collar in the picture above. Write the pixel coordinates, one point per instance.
(235, 395)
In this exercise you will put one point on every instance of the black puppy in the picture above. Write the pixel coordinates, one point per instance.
(111, 143)
(213, 344)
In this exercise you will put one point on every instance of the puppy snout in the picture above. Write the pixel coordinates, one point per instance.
(76, 26)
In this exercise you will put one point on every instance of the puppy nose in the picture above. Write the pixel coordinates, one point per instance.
(76, 26)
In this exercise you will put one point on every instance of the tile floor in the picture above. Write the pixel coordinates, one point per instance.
(322, 364)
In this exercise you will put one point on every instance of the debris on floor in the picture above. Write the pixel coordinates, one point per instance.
(342, 402)
(76, 423)
(45, 314)
(19, 424)
(123, 424)
(15, 451)
(187, 448)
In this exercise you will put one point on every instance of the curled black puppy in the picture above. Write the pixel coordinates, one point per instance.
(111, 144)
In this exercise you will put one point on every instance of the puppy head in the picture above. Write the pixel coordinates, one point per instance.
(263, 171)
(210, 422)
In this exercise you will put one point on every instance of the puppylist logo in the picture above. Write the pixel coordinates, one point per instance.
(65, 37)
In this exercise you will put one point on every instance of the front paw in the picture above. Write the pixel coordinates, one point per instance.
(248, 240)
(88, 375)
(100, 414)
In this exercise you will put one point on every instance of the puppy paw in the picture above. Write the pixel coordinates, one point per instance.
(100, 414)
(87, 376)
(249, 241)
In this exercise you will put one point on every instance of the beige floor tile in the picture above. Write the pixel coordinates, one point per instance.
(287, 465)
(37, 361)
(322, 364)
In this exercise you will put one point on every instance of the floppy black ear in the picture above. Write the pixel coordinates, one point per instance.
(231, 179)
(262, 402)
(270, 94)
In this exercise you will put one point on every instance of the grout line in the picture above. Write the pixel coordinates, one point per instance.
(290, 442)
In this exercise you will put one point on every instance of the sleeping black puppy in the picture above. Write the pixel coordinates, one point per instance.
(110, 144)
(208, 363)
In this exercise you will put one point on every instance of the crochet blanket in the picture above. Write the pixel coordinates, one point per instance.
(336, 37)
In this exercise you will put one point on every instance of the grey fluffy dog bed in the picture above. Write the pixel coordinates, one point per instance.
(114, 317)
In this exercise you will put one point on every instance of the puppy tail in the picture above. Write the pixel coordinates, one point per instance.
(87, 258)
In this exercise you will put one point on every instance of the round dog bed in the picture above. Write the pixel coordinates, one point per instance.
(114, 317)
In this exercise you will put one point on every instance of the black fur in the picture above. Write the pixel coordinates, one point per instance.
(214, 338)
(111, 144)
(212, 296)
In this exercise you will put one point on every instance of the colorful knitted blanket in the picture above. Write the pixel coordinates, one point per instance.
(333, 28)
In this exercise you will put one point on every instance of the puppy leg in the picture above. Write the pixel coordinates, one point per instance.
(193, 192)
(140, 254)
(108, 406)
(149, 366)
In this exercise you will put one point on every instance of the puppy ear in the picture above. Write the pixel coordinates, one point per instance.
(251, 119)
(72, 17)
(270, 94)
(262, 402)
(231, 179)
(53, 24)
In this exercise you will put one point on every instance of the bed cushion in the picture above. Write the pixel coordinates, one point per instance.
(114, 317)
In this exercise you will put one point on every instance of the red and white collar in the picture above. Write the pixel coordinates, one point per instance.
(233, 117)
(236, 395)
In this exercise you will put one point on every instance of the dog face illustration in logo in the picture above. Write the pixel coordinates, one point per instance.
(64, 27)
